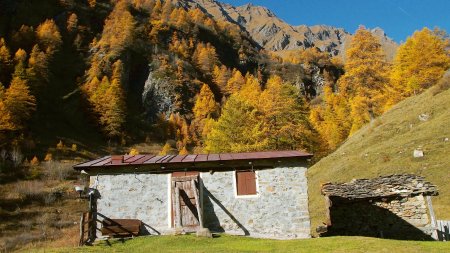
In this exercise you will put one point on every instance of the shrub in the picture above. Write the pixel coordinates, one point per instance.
(34, 161)
(23, 238)
(48, 157)
(16, 156)
(55, 170)
(49, 198)
(134, 151)
(442, 85)
(31, 190)
(60, 145)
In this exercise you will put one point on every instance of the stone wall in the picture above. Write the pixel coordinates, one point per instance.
(411, 209)
(142, 196)
(280, 210)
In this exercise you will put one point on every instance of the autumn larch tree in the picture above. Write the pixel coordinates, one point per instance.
(5, 61)
(205, 107)
(360, 91)
(220, 77)
(238, 129)
(113, 114)
(365, 79)
(235, 83)
(285, 116)
(6, 122)
(20, 65)
(419, 63)
(48, 36)
(19, 102)
(37, 71)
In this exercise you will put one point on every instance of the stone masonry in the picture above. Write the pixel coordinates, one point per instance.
(143, 196)
(280, 210)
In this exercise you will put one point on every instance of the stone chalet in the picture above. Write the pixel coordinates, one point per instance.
(394, 206)
(260, 194)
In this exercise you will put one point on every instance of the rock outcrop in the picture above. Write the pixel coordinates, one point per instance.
(158, 97)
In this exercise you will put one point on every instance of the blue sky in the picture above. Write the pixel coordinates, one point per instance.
(398, 18)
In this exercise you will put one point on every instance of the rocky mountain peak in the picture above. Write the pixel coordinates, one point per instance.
(274, 34)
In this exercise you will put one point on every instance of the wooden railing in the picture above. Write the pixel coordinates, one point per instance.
(443, 230)
(84, 227)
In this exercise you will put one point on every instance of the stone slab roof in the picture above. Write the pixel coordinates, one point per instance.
(385, 186)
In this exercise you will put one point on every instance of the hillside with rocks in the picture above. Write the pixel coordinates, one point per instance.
(413, 137)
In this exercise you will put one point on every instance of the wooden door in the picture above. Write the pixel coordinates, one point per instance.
(187, 212)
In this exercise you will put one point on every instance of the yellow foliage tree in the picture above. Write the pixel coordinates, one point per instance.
(118, 31)
(235, 83)
(220, 77)
(37, 71)
(48, 36)
(364, 82)
(112, 117)
(178, 130)
(331, 119)
(205, 57)
(72, 22)
(205, 107)
(419, 63)
(285, 117)
(183, 151)
(6, 121)
(20, 69)
(167, 149)
(19, 102)
(238, 129)
(5, 61)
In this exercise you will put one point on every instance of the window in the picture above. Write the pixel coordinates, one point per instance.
(245, 183)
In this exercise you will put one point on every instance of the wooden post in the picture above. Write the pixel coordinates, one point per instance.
(81, 243)
(433, 219)
(197, 202)
(177, 208)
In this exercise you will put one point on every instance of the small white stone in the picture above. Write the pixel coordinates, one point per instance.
(418, 153)
(424, 117)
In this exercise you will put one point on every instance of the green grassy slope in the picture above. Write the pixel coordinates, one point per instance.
(386, 146)
(226, 243)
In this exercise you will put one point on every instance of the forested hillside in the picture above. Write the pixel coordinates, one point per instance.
(102, 74)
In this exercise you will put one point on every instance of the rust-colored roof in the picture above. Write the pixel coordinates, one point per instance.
(142, 160)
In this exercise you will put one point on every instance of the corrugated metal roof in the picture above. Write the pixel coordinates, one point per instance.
(193, 159)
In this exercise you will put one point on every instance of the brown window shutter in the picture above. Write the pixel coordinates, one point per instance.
(251, 183)
(246, 182)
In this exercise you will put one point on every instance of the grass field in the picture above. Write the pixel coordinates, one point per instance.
(226, 243)
(386, 147)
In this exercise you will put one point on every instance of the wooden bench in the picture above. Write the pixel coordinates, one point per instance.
(121, 227)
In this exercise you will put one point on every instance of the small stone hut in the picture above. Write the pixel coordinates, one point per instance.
(260, 194)
(394, 206)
